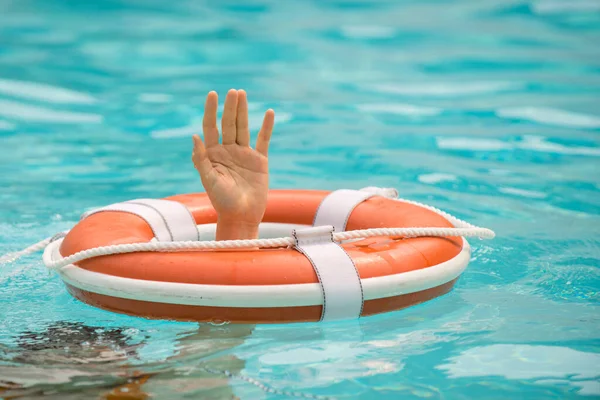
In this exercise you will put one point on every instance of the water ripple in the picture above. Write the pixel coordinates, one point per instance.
(43, 92)
(447, 89)
(530, 142)
(561, 7)
(5, 125)
(550, 116)
(562, 365)
(25, 112)
(400, 109)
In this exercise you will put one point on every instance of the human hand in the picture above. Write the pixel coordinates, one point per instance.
(235, 176)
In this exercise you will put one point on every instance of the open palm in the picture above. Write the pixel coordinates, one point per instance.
(235, 176)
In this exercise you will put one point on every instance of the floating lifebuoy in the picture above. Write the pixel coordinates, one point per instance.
(311, 278)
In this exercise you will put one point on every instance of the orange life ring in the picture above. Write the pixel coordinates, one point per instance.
(396, 272)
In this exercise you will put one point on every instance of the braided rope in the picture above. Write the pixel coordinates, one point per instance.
(461, 229)
(262, 386)
(482, 233)
(34, 248)
(458, 223)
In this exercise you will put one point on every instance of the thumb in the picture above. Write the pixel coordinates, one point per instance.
(199, 156)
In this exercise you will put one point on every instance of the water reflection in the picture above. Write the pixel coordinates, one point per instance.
(68, 359)
(542, 364)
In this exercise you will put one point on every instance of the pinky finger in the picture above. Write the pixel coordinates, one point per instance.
(264, 136)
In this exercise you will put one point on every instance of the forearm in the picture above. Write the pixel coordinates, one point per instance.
(228, 229)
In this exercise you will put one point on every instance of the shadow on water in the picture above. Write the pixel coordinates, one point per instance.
(68, 360)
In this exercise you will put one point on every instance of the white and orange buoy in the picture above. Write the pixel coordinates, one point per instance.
(306, 276)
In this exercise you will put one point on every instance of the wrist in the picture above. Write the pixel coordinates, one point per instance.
(234, 229)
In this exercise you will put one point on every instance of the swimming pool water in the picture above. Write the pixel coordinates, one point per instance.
(489, 110)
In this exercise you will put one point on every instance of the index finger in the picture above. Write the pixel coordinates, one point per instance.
(209, 121)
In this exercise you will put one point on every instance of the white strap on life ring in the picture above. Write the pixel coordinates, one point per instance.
(178, 218)
(335, 209)
(338, 276)
(170, 221)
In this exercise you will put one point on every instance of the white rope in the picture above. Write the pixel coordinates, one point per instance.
(461, 229)
(264, 243)
(458, 223)
(262, 386)
(34, 248)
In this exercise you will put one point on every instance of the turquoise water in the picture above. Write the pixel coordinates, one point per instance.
(488, 110)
